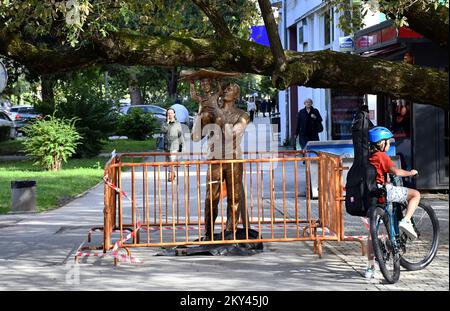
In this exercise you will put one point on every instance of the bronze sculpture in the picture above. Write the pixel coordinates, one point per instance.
(228, 133)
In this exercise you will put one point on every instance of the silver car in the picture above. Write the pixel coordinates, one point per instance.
(156, 111)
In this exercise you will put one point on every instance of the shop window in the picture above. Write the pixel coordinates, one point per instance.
(399, 122)
(401, 118)
(344, 105)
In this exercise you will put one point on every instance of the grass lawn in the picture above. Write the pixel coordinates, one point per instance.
(129, 145)
(55, 188)
(52, 188)
(14, 147)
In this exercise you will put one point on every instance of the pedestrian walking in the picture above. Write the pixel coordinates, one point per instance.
(309, 124)
(251, 107)
(264, 107)
(258, 107)
(174, 140)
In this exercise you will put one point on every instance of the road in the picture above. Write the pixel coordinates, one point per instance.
(37, 253)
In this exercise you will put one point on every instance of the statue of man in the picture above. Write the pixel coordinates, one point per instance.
(225, 145)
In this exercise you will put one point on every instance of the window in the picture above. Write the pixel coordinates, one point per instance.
(332, 24)
(344, 105)
(302, 39)
(327, 28)
(300, 35)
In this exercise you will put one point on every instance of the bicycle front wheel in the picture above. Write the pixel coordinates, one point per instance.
(384, 251)
(420, 252)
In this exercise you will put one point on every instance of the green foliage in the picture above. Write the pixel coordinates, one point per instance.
(353, 12)
(4, 133)
(11, 146)
(72, 21)
(51, 141)
(81, 97)
(137, 125)
(97, 121)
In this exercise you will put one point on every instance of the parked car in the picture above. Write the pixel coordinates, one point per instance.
(22, 116)
(146, 108)
(7, 127)
(158, 112)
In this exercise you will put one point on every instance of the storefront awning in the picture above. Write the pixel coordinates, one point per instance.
(383, 36)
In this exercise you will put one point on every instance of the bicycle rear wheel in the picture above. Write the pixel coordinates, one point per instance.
(385, 253)
(420, 252)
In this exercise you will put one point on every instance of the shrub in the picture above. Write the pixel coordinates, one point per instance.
(96, 120)
(51, 141)
(4, 133)
(137, 125)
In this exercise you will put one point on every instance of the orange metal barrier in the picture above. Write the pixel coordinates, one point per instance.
(147, 210)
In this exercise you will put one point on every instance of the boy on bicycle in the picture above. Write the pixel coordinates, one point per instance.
(380, 142)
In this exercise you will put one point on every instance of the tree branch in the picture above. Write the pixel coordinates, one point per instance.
(275, 42)
(214, 17)
(429, 22)
(321, 69)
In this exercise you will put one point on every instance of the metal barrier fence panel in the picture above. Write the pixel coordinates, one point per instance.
(140, 199)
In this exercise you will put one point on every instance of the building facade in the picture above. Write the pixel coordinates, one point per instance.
(312, 25)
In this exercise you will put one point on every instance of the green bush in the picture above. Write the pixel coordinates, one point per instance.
(4, 133)
(137, 125)
(96, 120)
(51, 141)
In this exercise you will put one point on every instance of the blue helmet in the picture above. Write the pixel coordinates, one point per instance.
(379, 133)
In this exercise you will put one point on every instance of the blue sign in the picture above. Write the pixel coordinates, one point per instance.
(259, 35)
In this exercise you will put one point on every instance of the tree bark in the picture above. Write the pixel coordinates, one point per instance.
(135, 91)
(172, 82)
(48, 95)
(275, 42)
(321, 69)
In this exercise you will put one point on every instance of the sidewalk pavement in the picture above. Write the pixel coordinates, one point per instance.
(37, 253)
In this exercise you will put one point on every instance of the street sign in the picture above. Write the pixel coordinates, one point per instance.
(3, 77)
(346, 44)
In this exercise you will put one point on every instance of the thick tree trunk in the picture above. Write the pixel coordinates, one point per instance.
(172, 82)
(133, 88)
(48, 95)
(321, 69)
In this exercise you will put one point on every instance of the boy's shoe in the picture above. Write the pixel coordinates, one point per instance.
(407, 227)
(369, 274)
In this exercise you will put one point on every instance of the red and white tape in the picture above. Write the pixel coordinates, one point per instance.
(115, 252)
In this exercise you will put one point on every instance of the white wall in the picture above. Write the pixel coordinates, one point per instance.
(315, 38)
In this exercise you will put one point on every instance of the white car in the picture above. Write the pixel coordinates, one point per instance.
(7, 126)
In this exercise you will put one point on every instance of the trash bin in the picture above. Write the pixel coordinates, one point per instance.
(23, 196)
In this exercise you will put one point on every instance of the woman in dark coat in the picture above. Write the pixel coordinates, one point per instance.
(307, 119)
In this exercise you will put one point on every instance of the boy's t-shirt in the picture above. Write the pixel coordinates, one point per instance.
(382, 163)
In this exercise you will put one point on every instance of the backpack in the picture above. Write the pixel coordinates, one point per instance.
(361, 188)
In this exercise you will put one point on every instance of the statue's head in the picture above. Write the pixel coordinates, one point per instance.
(205, 84)
(231, 92)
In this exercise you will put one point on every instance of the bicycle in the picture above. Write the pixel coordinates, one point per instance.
(392, 248)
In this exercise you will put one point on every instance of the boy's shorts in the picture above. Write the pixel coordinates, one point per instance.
(397, 194)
